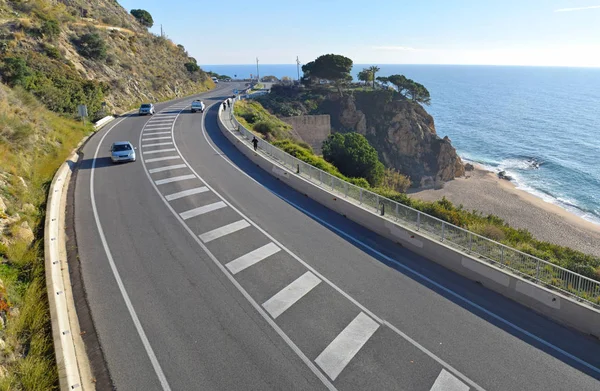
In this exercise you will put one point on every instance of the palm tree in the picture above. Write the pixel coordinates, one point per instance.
(373, 69)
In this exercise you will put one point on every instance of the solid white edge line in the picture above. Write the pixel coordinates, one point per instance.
(136, 321)
(416, 273)
(239, 287)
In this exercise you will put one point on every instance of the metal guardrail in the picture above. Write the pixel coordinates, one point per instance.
(542, 272)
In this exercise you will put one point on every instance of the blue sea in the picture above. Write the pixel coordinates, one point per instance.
(539, 124)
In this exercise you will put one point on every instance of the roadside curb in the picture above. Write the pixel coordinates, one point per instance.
(74, 369)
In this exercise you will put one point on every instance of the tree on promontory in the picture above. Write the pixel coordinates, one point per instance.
(332, 67)
(373, 69)
(410, 89)
(352, 154)
(143, 17)
(365, 75)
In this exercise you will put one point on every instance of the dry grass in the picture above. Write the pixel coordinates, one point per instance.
(44, 142)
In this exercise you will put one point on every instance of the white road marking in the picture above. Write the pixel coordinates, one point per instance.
(175, 179)
(186, 193)
(344, 347)
(158, 151)
(253, 257)
(403, 267)
(202, 210)
(167, 168)
(448, 382)
(289, 295)
(136, 321)
(157, 138)
(224, 230)
(308, 362)
(160, 131)
(155, 120)
(160, 159)
(157, 144)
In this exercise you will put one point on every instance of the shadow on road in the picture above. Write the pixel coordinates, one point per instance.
(101, 162)
(482, 302)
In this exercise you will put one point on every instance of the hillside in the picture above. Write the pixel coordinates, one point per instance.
(68, 52)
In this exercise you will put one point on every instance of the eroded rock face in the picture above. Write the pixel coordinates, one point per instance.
(404, 135)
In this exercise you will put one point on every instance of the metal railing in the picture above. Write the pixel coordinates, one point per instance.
(542, 272)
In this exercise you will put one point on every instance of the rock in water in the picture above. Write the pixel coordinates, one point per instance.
(401, 131)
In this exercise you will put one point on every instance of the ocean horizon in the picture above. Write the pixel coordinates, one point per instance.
(539, 124)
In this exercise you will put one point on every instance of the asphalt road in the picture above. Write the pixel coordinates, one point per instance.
(204, 272)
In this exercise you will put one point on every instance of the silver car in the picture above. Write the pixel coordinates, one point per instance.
(146, 108)
(122, 151)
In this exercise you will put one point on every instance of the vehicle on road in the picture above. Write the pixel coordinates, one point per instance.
(215, 79)
(197, 105)
(122, 151)
(146, 108)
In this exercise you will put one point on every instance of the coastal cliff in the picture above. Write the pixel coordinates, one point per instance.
(403, 134)
(401, 131)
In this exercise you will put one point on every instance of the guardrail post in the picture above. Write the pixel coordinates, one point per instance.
(537, 273)
(361, 195)
(443, 226)
(579, 285)
(502, 254)
(382, 209)
(320, 177)
(418, 220)
(297, 168)
(397, 209)
(470, 242)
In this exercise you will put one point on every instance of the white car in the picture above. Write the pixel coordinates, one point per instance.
(197, 105)
(122, 151)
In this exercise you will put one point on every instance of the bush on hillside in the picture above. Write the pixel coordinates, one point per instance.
(143, 17)
(50, 28)
(91, 46)
(191, 67)
(16, 72)
(352, 154)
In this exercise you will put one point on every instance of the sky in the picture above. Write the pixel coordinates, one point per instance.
(481, 32)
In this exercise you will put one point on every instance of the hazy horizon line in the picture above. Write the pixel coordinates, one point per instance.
(427, 64)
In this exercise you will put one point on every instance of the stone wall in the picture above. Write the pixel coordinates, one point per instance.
(312, 129)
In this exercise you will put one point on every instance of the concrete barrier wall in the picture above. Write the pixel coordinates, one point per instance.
(544, 301)
(312, 129)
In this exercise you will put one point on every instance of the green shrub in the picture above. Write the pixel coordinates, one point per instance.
(52, 52)
(191, 67)
(92, 46)
(143, 17)
(50, 28)
(15, 71)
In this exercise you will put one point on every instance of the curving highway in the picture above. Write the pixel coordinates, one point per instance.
(203, 272)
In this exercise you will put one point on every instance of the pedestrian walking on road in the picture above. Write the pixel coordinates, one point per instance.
(228, 103)
(255, 142)
(224, 106)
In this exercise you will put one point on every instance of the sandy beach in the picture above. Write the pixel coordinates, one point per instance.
(484, 191)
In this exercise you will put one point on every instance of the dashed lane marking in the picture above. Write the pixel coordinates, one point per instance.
(252, 258)
(175, 179)
(344, 347)
(289, 295)
(167, 168)
(186, 193)
(160, 159)
(224, 230)
(202, 210)
(158, 151)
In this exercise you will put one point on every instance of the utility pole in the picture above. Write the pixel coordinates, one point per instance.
(257, 74)
(298, 67)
